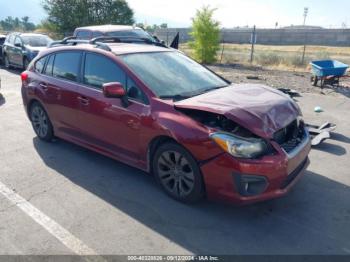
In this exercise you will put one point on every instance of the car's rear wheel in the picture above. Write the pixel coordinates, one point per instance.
(178, 173)
(41, 122)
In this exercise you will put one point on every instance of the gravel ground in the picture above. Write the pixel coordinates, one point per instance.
(299, 81)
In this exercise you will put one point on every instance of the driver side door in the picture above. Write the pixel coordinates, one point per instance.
(17, 55)
(106, 124)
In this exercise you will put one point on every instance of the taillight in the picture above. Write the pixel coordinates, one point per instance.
(24, 77)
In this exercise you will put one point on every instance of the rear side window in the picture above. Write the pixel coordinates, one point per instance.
(100, 70)
(83, 35)
(66, 65)
(39, 65)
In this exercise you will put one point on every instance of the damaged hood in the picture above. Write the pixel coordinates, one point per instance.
(260, 109)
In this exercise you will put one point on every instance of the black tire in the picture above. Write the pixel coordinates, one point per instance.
(314, 80)
(178, 173)
(25, 63)
(41, 122)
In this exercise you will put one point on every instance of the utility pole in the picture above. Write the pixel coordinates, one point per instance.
(306, 11)
(253, 39)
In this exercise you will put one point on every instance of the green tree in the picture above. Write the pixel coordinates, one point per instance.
(66, 15)
(164, 25)
(206, 36)
(27, 26)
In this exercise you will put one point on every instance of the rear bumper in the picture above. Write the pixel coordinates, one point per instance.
(281, 172)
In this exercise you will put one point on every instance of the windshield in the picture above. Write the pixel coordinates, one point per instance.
(172, 74)
(36, 40)
(136, 33)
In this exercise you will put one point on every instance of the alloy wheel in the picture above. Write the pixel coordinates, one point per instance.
(40, 121)
(175, 173)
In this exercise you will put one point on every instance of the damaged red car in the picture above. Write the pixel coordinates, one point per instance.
(157, 110)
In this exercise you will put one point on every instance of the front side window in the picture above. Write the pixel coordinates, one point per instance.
(66, 65)
(134, 92)
(172, 74)
(99, 70)
(18, 41)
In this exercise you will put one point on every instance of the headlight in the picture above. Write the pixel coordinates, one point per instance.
(239, 146)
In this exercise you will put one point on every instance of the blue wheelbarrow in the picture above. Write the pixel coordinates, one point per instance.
(327, 72)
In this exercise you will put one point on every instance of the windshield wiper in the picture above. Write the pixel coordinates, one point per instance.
(211, 89)
(181, 97)
(175, 97)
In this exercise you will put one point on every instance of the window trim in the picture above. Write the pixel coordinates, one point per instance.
(20, 40)
(44, 66)
(46, 63)
(78, 80)
(144, 102)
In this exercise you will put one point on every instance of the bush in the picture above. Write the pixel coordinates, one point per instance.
(206, 36)
(268, 58)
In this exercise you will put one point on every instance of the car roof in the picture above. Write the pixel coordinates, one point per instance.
(108, 28)
(2, 36)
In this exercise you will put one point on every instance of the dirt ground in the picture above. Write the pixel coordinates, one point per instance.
(299, 81)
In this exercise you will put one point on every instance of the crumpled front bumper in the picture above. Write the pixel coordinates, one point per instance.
(281, 172)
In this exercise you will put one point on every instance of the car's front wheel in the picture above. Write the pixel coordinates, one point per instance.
(41, 122)
(178, 173)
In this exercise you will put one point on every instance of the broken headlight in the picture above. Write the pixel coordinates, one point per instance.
(240, 147)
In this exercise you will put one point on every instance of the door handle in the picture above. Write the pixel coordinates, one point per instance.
(83, 100)
(44, 86)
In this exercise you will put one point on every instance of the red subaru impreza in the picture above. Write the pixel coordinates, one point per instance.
(157, 110)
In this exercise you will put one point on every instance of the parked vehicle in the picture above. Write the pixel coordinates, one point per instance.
(2, 40)
(89, 32)
(20, 48)
(157, 110)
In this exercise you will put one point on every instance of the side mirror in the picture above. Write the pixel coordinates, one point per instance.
(115, 90)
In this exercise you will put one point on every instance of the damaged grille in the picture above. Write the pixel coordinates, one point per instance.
(291, 136)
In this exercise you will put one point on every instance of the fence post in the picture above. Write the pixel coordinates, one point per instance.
(253, 38)
(304, 49)
(223, 46)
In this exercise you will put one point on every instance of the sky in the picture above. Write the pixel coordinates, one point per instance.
(230, 13)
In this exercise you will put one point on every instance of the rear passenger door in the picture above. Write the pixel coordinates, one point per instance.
(105, 122)
(60, 84)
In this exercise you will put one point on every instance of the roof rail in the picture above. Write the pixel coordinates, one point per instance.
(102, 42)
(68, 40)
(125, 39)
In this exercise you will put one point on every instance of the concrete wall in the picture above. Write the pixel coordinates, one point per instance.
(328, 37)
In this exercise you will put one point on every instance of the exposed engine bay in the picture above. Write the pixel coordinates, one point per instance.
(217, 121)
